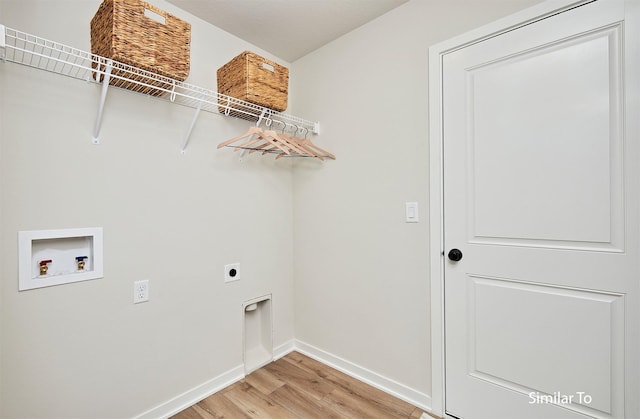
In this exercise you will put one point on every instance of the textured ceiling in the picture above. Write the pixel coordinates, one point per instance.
(288, 29)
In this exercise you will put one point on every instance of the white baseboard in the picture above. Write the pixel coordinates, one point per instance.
(416, 398)
(285, 348)
(194, 395)
(216, 384)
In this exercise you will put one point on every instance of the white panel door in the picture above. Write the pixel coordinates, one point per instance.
(541, 199)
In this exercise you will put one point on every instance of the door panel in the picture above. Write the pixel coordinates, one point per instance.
(578, 144)
(539, 312)
(585, 329)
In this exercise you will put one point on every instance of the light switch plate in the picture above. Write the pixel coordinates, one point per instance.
(411, 212)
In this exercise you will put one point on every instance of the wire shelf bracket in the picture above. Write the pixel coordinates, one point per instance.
(103, 98)
(193, 123)
(33, 51)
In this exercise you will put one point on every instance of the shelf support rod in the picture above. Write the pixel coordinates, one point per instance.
(103, 98)
(193, 123)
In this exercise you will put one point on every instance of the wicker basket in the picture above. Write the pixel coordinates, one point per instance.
(141, 35)
(256, 80)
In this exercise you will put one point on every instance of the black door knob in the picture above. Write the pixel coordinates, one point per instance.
(455, 255)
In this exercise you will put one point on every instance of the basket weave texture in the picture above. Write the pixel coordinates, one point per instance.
(121, 31)
(256, 80)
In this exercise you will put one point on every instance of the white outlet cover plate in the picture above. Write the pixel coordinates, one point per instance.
(141, 291)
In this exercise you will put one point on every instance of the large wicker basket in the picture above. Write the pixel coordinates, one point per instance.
(141, 35)
(256, 80)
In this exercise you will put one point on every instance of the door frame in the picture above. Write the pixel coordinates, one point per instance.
(436, 172)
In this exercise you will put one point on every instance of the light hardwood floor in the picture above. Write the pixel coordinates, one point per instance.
(297, 386)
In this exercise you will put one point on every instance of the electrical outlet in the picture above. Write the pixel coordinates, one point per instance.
(231, 272)
(141, 291)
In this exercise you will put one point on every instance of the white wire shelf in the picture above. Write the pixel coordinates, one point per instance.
(33, 51)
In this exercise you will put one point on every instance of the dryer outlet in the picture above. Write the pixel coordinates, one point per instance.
(231, 272)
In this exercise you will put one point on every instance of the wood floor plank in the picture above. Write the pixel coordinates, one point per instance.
(308, 364)
(303, 405)
(190, 413)
(298, 377)
(203, 413)
(264, 381)
(353, 406)
(297, 386)
(256, 404)
(219, 407)
(349, 384)
(389, 403)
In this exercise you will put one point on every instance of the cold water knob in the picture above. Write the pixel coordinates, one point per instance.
(80, 262)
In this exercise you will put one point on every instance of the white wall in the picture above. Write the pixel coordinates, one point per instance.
(361, 272)
(333, 235)
(84, 350)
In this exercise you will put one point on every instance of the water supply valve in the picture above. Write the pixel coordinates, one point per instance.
(80, 261)
(44, 266)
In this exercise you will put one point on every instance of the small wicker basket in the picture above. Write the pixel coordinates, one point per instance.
(256, 80)
(141, 35)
